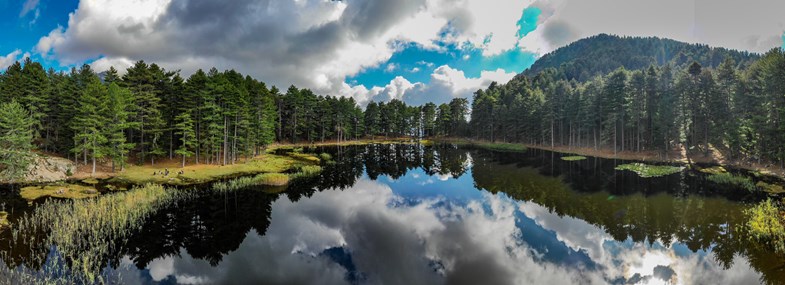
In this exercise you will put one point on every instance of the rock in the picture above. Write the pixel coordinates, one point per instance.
(49, 169)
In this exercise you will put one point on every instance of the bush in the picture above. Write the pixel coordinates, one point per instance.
(765, 224)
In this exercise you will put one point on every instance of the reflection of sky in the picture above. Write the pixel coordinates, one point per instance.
(420, 229)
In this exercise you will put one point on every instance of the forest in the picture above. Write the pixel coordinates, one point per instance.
(604, 92)
(717, 100)
(211, 117)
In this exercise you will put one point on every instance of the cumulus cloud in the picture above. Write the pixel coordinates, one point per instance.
(9, 59)
(315, 44)
(445, 84)
(754, 25)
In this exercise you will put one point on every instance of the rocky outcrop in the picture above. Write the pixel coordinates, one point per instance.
(49, 169)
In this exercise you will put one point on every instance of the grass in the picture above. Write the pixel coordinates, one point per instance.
(273, 179)
(573, 158)
(502, 147)
(648, 171)
(765, 224)
(732, 179)
(325, 156)
(269, 179)
(65, 191)
(202, 173)
(86, 231)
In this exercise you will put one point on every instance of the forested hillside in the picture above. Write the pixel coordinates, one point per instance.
(737, 107)
(622, 94)
(602, 54)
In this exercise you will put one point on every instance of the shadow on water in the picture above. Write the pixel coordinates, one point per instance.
(683, 211)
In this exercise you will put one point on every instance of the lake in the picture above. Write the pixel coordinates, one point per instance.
(413, 214)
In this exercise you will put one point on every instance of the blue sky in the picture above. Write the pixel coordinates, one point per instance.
(414, 50)
(22, 32)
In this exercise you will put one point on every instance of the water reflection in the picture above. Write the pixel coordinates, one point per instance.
(402, 214)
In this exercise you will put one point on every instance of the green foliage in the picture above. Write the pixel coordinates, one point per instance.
(733, 179)
(325, 156)
(648, 171)
(766, 224)
(185, 129)
(16, 136)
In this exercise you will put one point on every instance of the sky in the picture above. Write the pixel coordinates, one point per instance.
(417, 51)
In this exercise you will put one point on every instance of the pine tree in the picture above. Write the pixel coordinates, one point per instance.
(185, 129)
(16, 140)
(91, 122)
(120, 100)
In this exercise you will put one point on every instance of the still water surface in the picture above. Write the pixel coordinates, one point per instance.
(407, 214)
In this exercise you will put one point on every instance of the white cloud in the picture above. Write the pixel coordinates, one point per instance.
(754, 25)
(28, 6)
(9, 59)
(415, 70)
(445, 84)
(391, 67)
(314, 44)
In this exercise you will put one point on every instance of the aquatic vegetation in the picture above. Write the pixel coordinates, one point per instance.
(502, 147)
(273, 179)
(309, 170)
(85, 231)
(307, 157)
(648, 171)
(733, 179)
(714, 170)
(65, 191)
(325, 156)
(91, 181)
(573, 158)
(770, 188)
(765, 224)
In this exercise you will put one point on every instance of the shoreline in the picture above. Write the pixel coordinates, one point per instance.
(674, 157)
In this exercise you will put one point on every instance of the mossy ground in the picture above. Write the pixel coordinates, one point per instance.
(648, 171)
(202, 173)
(573, 158)
(65, 191)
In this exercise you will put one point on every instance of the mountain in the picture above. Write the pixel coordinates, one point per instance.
(601, 54)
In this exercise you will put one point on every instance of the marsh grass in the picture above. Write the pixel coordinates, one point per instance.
(268, 179)
(325, 156)
(733, 179)
(573, 158)
(765, 224)
(85, 232)
(649, 171)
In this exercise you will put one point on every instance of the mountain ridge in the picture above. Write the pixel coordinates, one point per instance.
(600, 54)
